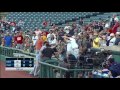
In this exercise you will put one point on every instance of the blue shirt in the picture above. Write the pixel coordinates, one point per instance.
(115, 69)
(117, 41)
(8, 41)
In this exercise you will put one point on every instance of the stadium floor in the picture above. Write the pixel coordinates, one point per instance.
(13, 74)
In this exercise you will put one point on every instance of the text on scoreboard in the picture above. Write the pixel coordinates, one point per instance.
(19, 63)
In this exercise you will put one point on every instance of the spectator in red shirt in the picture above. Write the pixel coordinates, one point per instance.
(45, 23)
(12, 23)
(114, 29)
(110, 30)
(19, 41)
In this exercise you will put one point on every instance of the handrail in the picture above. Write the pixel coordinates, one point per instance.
(21, 51)
(113, 52)
(46, 68)
(80, 69)
(47, 64)
(47, 71)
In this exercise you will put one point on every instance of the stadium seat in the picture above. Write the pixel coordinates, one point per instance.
(36, 18)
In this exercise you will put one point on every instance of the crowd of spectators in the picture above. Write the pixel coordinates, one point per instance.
(62, 42)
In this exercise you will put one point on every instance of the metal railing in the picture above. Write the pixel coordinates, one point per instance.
(9, 51)
(117, 52)
(48, 71)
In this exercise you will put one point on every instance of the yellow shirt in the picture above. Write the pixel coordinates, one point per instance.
(44, 38)
(97, 40)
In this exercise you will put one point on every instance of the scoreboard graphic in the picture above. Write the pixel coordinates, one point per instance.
(19, 64)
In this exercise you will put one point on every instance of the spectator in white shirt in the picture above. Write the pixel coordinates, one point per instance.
(112, 39)
(107, 25)
(67, 28)
(52, 41)
(68, 44)
(50, 35)
(34, 39)
(72, 46)
(115, 18)
(75, 50)
(54, 33)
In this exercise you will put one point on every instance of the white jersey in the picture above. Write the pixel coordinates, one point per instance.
(72, 47)
(53, 42)
(69, 46)
(73, 43)
(49, 37)
(112, 41)
(34, 39)
(107, 25)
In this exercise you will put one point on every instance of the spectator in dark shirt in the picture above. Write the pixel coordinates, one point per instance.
(114, 67)
(47, 52)
(81, 21)
(60, 33)
(6, 25)
(100, 27)
(71, 32)
(71, 57)
(50, 23)
(0, 39)
(112, 23)
(117, 41)
(88, 42)
(1, 36)
(96, 26)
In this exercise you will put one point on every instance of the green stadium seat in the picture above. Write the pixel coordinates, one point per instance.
(36, 18)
